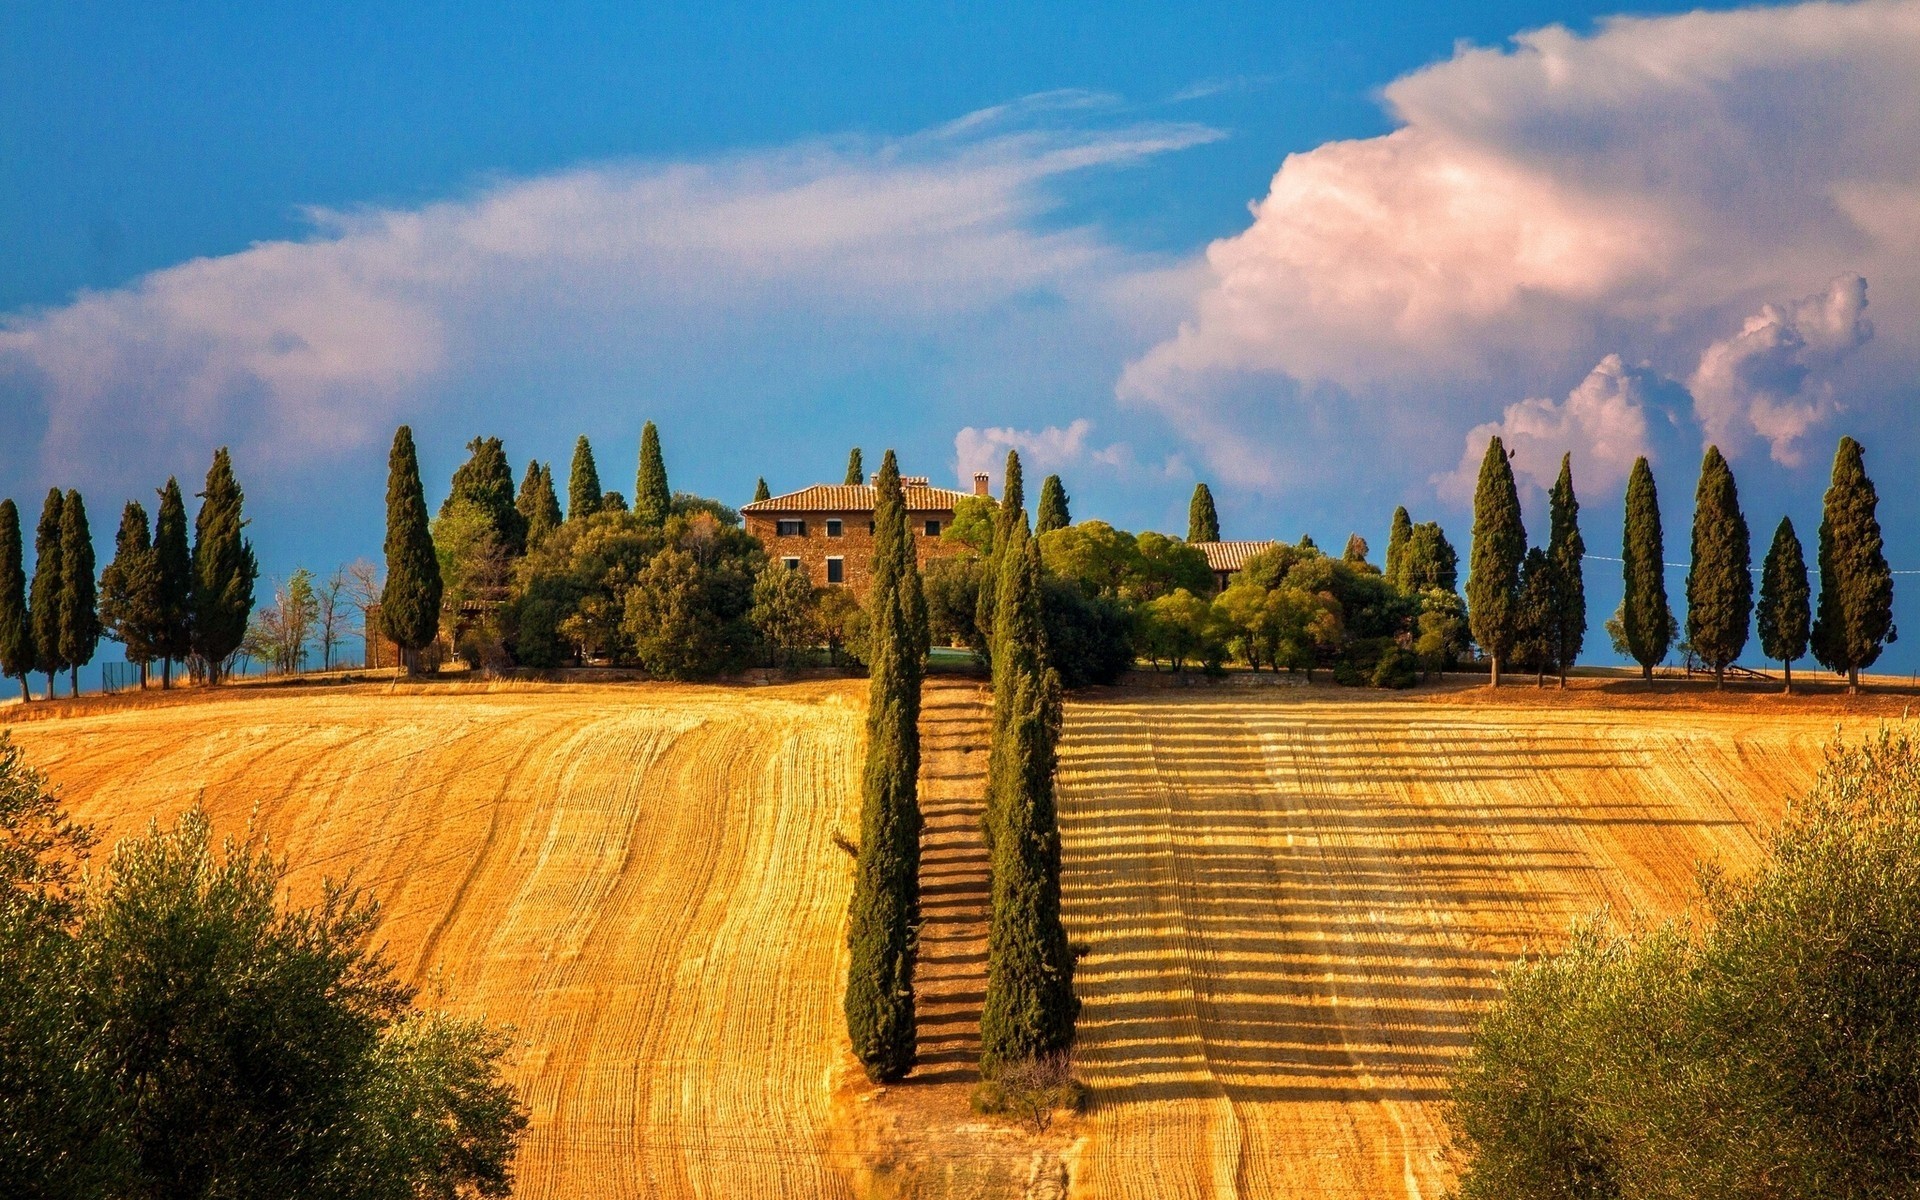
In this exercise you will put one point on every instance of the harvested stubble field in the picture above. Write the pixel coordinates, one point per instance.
(1291, 901)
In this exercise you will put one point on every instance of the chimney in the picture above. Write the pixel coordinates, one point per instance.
(980, 483)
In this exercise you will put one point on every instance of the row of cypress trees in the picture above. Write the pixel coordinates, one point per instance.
(1853, 623)
(162, 600)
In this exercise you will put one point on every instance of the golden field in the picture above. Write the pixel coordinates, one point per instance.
(1292, 902)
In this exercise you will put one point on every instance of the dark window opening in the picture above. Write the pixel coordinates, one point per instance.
(792, 564)
(836, 570)
(933, 529)
(833, 528)
(790, 528)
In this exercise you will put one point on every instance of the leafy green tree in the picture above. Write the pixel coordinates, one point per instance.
(1567, 550)
(538, 505)
(1398, 536)
(1855, 618)
(583, 483)
(783, 614)
(1645, 620)
(884, 911)
(173, 566)
(486, 482)
(49, 589)
(410, 601)
(1785, 615)
(79, 602)
(129, 589)
(1181, 628)
(1357, 550)
(1203, 522)
(975, 520)
(1720, 577)
(1167, 564)
(1536, 614)
(1052, 513)
(613, 502)
(672, 628)
(1440, 630)
(856, 471)
(760, 491)
(17, 655)
(1430, 560)
(652, 498)
(1499, 545)
(223, 569)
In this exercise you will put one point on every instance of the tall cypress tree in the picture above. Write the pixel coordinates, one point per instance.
(1499, 545)
(760, 491)
(1785, 614)
(1566, 548)
(856, 471)
(1720, 577)
(1644, 614)
(537, 504)
(410, 602)
(583, 482)
(16, 628)
(1012, 511)
(1029, 1009)
(1536, 637)
(173, 581)
(49, 589)
(885, 905)
(1052, 513)
(129, 609)
(1203, 521)
(223, 569)
(652, 500)
(1855, 619)
(80, 601)
(1398, 535)
(485, 481)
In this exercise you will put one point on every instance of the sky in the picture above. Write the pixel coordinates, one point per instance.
(1310, 255)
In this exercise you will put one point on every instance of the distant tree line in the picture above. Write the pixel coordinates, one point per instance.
(163, 599)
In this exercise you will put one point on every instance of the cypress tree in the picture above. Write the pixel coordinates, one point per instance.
(1566, 548)
(1643, 610)
(856, 471)
(410, 602)
(1030, 1008)
(1203, 522)
(1719, 578)
(223, 569)
(537, 504)
(1356, 551)
(80, 601)
(49, 590)
(173, 582)
(1499, 545)
(652, 500)
(1429, 561)
(1052, 513)
(128, 592)
(486, 482)
(1855, 618)
(1785, 615)
(760, 491)
(884, 909)
(16, 629)
(1535, 618)
(583, 482)
(1398, 536)
(1012, 512)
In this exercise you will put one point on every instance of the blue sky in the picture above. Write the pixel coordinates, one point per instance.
(955, 228)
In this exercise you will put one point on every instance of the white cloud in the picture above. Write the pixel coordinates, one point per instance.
(1637, 191)
(1766, 379)
(1041, 450)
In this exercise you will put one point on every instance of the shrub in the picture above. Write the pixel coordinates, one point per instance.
(1398, 668)
(1089, 638)
(1032, 1091)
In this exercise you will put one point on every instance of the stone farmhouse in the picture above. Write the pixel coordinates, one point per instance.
(1225, 559)
(827, 530)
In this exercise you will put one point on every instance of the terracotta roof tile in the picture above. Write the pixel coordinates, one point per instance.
(1231, 556)
(841, 497)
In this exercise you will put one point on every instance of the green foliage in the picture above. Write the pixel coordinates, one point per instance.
(1440, 631)
(1431, 561)
(569, 594)
(1719, 579)
(1180, 627)
(1398, 535)
(130, 588)
(1499, 545)
(883, 913)
(652, 498)
(856, 470)
(485, 482)
(952, 584)
(79, 602)
(1169, 563)
(49, 589)
(473, 561)
(1855, 618)
(1356, 551)
(843, 624)
(1764, 1048)
(537, 503)
(1089, 639)
(686, 504)
(1052, 513)
(613, 502)
(223, 569)
(1536, 638)
(1785, 615)
(973, 524)
(1397, 668)
(1203, 521)
(783, 614)
(1646, 622)
(17, 654)
(173, 561)
(1567, 550)
(410, 602)
(686, 615)
(583, 482)
(760, 491)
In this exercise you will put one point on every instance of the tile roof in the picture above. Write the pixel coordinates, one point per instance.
(1231, 556)
(842, 497)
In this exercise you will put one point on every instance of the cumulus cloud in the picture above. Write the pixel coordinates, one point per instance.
(297, 350)
(1041, 450)
(1637, 191)
(1766, 380)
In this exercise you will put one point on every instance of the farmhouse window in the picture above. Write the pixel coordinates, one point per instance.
(836, 570)
(933, 529)
(790, 528)
(791, 564)
(833, 527)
